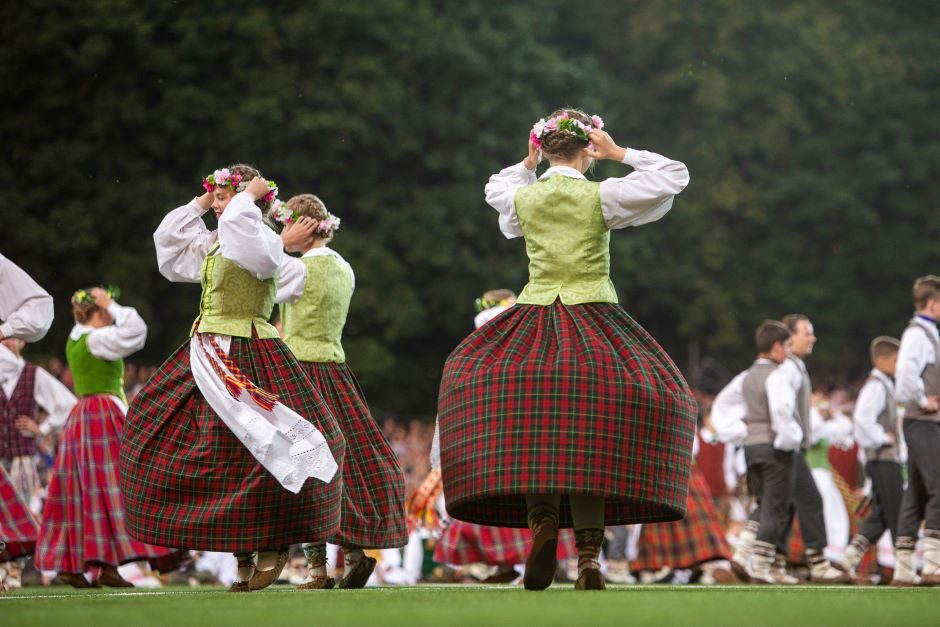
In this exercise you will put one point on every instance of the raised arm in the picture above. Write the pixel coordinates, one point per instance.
(501, 191)
(126, 336)
(183, 241)
(645, 195)
(245, 239)
(25, 308)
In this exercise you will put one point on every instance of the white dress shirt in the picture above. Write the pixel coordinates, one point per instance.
(25, 308)
(872, 400)
(642, 196)
(125, 337)
(183, 241)
(729, 411)
(783, 385)
(50, 394)
(915, 354)
(292, 280)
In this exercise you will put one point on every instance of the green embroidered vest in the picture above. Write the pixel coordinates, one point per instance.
(313, 326)
(233, 300)
(92, 375)
(567, 241)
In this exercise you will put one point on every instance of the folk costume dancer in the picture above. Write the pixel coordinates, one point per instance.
(876, 430)
(24, 389)
(315, 292)
(541, 410)
(26, 312)
(918, 387)
(83, 526)
(222, 439)
(793, 382)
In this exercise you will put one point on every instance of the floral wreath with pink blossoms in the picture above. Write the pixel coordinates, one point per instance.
(564, 123)
(225, 178)
(281, 213)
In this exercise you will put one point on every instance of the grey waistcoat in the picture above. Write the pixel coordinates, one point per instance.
(759, 430)
(888, 419)
(931, 377)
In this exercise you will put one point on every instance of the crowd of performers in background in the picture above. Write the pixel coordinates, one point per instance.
(847, 444)
(250, 455)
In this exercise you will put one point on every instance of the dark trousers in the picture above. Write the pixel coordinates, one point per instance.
(768, 478)
(921, 501)
(887, 488)
(806, 502)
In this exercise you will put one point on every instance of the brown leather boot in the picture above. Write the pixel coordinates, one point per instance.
(263, 578)
(77, 580)
(358, 574)
(320, 582)
(590, 579)
(112, 578)
(542, 562)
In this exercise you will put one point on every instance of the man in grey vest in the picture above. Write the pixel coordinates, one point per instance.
(768, 449)
(791, 380)
(918, 387)
(876, 431)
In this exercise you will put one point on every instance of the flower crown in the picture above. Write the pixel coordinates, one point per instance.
(281, 213)
(564, 123)
(225, 178)
(84, 297)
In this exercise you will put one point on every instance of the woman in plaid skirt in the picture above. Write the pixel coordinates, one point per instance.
(222, 439)
(83, 524)
(315, 292)
(563, 411)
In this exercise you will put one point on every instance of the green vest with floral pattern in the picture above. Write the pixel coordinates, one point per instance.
(233, 300)
(567, 241)
(313, 326)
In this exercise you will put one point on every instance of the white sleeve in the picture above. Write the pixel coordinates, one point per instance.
(126, 336)
(729, 411)
(245, 239)
(25, 308)
(436, 446)
(54, 398)
(915, 353)
(182, 242)
(501, 193)
(644, 195)
(869, 405)
(781, 398)
(291, 281)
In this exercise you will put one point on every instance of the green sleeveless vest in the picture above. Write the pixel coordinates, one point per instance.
(233, 300)
(567, 241)
(92, 375)
(313, 326)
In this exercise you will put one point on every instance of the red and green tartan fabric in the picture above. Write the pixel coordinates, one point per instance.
(373, 509)
(570, 400)
(464, 543)
(18, 527)
(187, 480)
(684, 543)
(83, 520)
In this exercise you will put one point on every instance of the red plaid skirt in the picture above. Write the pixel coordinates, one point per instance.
(570, 400)
(188, 481)
(695, 539)
(83, 520)
(467, 543)
(373, 509)
(18, 527)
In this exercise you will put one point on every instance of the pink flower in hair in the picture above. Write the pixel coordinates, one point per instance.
(597, 121)
(535, 140)
(209, 187)
(551, 126)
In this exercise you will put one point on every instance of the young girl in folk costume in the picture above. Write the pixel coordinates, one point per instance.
(563, 411)
(222, 439)
(465, 543)
(83, 523)
(315, 292)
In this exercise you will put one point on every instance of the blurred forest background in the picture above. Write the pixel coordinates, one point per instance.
(811, 131)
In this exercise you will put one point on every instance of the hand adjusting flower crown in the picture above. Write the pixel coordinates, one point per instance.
(281, 213)
(234, 181)
(84, 297)
(564, 123)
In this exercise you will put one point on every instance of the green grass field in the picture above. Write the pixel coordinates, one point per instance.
(481, 607)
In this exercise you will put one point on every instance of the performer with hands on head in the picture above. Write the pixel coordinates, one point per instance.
(222, 439)
(540, 409)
